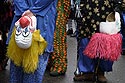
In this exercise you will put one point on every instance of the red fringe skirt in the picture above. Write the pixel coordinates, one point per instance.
(104, 46)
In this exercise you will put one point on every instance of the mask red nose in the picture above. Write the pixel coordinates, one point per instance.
(24, 22)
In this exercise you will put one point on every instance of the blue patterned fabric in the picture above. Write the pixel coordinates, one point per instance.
(17, 75)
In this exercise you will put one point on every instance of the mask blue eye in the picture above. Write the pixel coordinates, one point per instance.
(26, 32)
(18, 31)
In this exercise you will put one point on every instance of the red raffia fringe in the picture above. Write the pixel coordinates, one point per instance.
(104, 46)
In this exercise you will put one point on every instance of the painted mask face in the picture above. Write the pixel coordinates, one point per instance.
(24, 30)
(23, 37)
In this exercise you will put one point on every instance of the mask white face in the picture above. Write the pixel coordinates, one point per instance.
(23, 36)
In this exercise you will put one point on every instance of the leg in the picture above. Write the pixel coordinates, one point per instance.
(37, 76)
(104, 66)
(70, 29)
(85, 65)
(16, 73)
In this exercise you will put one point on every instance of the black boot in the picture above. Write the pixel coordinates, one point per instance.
(123, 52)
(70, 31)
(101, 77)
(84, 77)
(73, 35)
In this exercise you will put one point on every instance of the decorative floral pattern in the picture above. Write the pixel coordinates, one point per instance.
(58, 59)
(93, 11)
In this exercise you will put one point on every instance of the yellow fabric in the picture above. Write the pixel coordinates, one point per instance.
(27, 58)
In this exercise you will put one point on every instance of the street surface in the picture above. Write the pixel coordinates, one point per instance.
(117, 76)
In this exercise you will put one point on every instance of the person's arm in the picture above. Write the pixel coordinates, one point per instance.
(40, 5)
(20, 6)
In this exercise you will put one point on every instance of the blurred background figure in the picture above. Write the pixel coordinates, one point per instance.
(121, 8)
(71, 25)
(6, 15)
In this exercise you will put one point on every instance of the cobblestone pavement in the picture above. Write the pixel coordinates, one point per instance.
(117, 76)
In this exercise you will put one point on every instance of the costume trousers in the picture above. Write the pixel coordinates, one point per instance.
(86, 64)
(17, 75)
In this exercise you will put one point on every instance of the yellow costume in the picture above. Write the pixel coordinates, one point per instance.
(27, 58)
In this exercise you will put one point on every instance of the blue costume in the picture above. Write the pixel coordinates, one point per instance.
(93, 12)
(45, 12)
